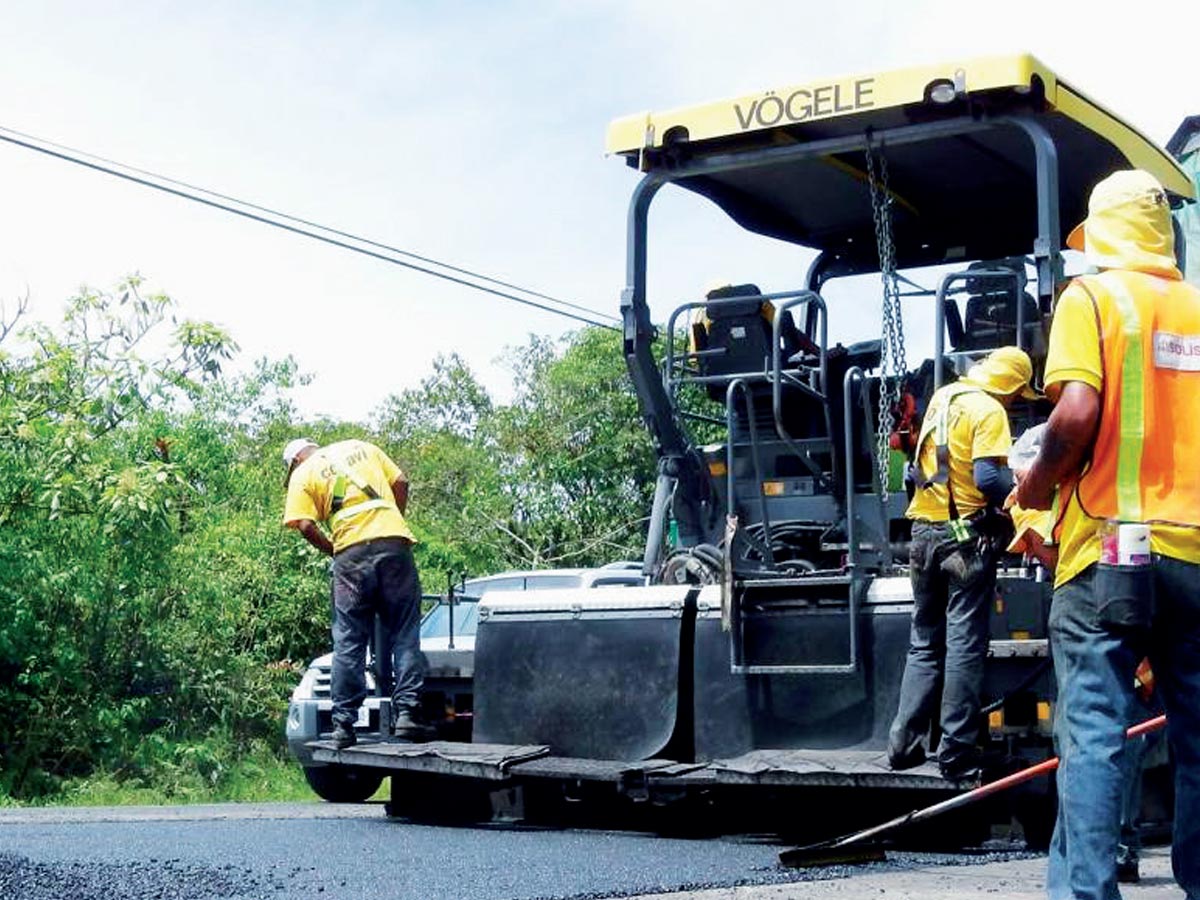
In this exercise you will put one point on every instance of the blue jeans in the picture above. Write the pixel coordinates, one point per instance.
(372, 577)
(1130, 845)
(1095, 668)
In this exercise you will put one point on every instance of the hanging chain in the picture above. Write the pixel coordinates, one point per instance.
(892, 366)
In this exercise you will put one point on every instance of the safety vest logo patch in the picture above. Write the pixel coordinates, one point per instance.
(1180, 352)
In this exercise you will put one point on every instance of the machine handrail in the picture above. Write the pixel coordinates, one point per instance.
(739, 384)
(669, 362)
(737, 665)
(854, 375)
(801, 298)
(939, 313)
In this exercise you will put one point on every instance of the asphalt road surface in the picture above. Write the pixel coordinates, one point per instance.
(282, 851)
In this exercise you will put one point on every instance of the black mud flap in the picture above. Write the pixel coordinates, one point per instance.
(592, 673)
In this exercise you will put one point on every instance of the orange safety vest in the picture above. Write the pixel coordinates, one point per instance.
(1145, 464)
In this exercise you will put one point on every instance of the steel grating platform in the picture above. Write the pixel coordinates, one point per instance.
(825, 768)
(768, 768)
(489, 761)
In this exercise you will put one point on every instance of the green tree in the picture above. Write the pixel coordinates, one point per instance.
(440, 433)
(574, 453)
(87, 506)
(562, 476)
(154, 613)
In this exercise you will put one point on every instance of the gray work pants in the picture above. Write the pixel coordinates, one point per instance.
(372, 577)
(943, 672)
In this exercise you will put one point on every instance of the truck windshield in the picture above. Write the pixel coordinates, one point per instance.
(546, 582)
(437, 622)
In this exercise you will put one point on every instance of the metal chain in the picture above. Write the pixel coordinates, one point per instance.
(893, 366)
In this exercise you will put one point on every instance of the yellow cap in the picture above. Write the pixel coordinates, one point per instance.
(1004, 371)
(1128, 225)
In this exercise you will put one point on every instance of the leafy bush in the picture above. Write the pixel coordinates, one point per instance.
(154, 614)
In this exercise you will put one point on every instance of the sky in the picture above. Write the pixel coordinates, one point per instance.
(470, 132)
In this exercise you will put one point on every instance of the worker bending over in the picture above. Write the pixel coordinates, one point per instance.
(958, 534)
(1123, 447)
(360, 495)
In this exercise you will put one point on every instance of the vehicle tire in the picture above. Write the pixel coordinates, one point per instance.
(343, 784)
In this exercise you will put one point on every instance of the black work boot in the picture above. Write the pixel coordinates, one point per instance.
(963, 778)
(965, 770)
(407, 727)
(1127, 865)
(898, 762)
(343, 736)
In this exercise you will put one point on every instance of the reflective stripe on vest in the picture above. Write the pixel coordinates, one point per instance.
(1133, 398)
(1144, 461)
(338, 511)
(354, 509)
(939, 427)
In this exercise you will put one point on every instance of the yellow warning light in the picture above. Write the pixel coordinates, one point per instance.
(996, 719)
(999, 605)
(1019, 635)
(773, 488)
(1044, 711)
(717, 468)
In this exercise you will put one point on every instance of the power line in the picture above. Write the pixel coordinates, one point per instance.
(104, 165)
(291, 218)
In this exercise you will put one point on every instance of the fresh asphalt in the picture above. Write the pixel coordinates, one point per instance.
(320, 850)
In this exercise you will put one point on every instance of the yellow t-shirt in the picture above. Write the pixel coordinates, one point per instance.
(978, 429)
(310, 493)
(1074, 355)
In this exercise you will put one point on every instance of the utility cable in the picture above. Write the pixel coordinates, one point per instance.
(326, 228)
(107, 167)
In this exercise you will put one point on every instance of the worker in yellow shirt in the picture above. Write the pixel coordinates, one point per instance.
(1123, 447)
(958, 534)
(355, 490)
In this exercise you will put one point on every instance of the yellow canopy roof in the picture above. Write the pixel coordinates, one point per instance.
(958, 196)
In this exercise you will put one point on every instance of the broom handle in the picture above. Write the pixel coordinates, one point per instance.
(987, 790)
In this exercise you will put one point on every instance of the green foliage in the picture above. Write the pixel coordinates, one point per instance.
(154, 613)
(216, 769)
(124, 470)
(562, 476)
(574, 454)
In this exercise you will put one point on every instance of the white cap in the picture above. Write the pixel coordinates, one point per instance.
(294, 448)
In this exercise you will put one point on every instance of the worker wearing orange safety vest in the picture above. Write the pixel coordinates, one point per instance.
(1124, 371)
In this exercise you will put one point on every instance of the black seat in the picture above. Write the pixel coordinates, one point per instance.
(738, 341)
(992, 304)
(738, 336)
